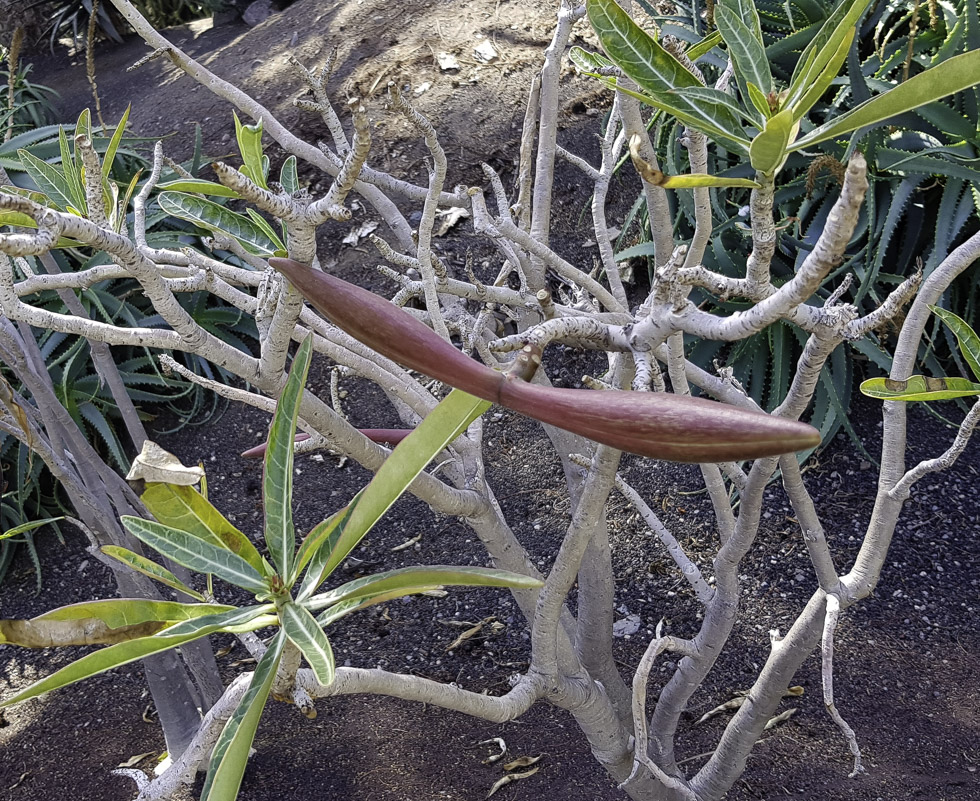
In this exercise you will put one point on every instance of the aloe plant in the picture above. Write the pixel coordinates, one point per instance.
(287, 583)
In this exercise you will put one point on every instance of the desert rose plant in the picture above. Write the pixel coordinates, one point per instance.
(448, 332)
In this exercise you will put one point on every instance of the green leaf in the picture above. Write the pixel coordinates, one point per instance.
(231, 618)
(198, 186)
(305, 633)
(196, 554)
(706, 45)
(966, 337)
(231, 751)
(102, 660)
(759, 100)
(919, 388)
(288, 176)
(440, 427)
(694, 180)
(72, 171)
(264, 226)
(716, 96)
(823, 48)
(277, 481)
(655, 70)
(421, 579)
(950, 77)
(187, 509)
(250, 146)
(318, 543)
(23, 528)
(812, 93)
(739, 25)
(149, 568)
(110, 152)
(118, 612)
(214, 217)
(768, 150)
(48, 179)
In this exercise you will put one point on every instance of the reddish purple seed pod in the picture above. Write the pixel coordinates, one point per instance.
(655, 424)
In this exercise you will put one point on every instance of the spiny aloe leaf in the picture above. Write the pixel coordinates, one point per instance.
(919, 388)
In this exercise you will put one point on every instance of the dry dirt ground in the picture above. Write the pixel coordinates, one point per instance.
(907, 675)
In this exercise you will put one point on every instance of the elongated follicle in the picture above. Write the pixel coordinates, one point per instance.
(655, 424)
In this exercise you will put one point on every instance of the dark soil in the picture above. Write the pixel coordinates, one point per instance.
(906, 677)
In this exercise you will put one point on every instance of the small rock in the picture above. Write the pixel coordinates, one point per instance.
(485, 52)
(626, 627)
(447, 61)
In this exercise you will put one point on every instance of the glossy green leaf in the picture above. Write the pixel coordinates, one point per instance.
(71, 169)
(759, 100)
(816, 88)
(316, 548)
(768, 150)
(288, 176)
(112, 148)
(267, 229)
(230, 618)
(429, 577)
(214, 217)
(441, 426)
(148, 567)
(250, 146)
(277, 480)
(196, 554)
(231, 751)
(655, 70)
(919, 388)
(823, 48)
(48, 179)
(305, 633)
(966, 337)
(118, 612)
(187, 509)
(23, 528)
(102, 660)
(739, 25)
(198, 186)
(950, 77)
(706, 45)
(717, 96)
(589, 64)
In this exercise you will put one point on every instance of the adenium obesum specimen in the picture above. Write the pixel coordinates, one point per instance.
(654, 424)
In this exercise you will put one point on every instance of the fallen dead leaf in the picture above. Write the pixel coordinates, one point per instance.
(407, 544)
(511, 777)
(449, 218)
(134, 760)
(782, 717)
(494, 757)
(522, 762)
(357, 234)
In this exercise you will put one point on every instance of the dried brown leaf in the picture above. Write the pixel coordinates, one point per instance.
(134, 760)
(782, 717)
(511, 777)
(522, 762)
